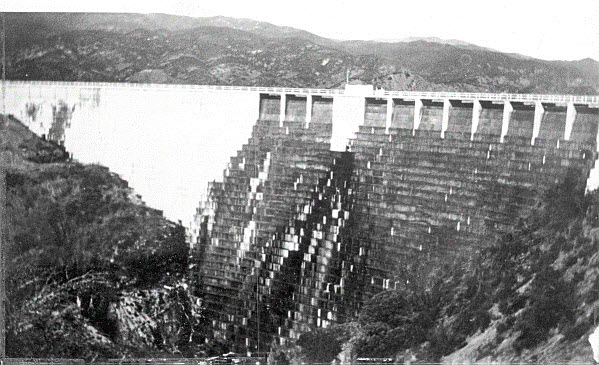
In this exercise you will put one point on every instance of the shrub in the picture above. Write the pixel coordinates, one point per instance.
(321, 345)
(551, 301)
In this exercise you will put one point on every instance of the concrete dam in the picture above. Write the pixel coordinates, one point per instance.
(330, 196)
(309, 221)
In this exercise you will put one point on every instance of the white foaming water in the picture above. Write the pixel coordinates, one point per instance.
(348, 115)
(593, 181)
(594, 340)
(167, 142)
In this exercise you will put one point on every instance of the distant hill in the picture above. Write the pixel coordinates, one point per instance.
(452, 42)
(127, 22)
(229, 51)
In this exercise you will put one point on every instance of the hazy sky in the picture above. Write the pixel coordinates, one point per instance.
(543, 29)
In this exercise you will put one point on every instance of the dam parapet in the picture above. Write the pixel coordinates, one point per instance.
(532, 117)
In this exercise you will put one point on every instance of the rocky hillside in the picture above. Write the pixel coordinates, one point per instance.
(532, 296)
(226, 51)
(91, 271)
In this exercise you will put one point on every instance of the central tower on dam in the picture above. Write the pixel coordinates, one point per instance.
(313, 217)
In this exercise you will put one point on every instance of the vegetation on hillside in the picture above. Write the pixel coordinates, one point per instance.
(160, 48)
(91, 271)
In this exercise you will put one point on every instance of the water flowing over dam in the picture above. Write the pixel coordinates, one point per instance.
(308, 202)
(167, 141)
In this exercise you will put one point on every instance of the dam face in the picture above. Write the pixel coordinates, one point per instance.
(313, 217)
(335, 195)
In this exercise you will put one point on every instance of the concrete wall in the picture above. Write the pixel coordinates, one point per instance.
(375, 113)
(490, 115)
(460, 117)
(322, 110)
(584, 129)
(553, 123)
(295, 110)
(521, 120)
(270, 107)
(403, 114)
(431, 116)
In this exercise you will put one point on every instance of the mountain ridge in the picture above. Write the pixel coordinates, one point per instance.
(227, 51)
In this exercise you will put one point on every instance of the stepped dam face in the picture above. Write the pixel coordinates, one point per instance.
(335, 196)
(310, 221)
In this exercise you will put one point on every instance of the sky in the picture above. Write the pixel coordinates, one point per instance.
(554, 30)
